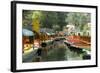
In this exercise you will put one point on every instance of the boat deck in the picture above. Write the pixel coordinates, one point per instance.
(78, 42)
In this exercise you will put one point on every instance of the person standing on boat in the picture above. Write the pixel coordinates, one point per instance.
(39, 54)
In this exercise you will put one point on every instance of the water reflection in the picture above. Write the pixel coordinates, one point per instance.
(59, 51)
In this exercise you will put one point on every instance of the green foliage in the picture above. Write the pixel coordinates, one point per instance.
(78, 19)
(57, 20)
(48, 19)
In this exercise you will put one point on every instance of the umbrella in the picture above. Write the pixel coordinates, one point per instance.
(27, 32)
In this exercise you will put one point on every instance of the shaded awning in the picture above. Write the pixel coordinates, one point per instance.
(47, 31)
(26, 32)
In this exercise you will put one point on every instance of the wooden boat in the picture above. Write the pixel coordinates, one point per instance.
(77, 43)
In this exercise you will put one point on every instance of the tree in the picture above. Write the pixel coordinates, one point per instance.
(48, 19)
(61, 16)
(26, 17)
(78, 19)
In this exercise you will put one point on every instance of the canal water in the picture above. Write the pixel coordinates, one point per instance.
(58, 52)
